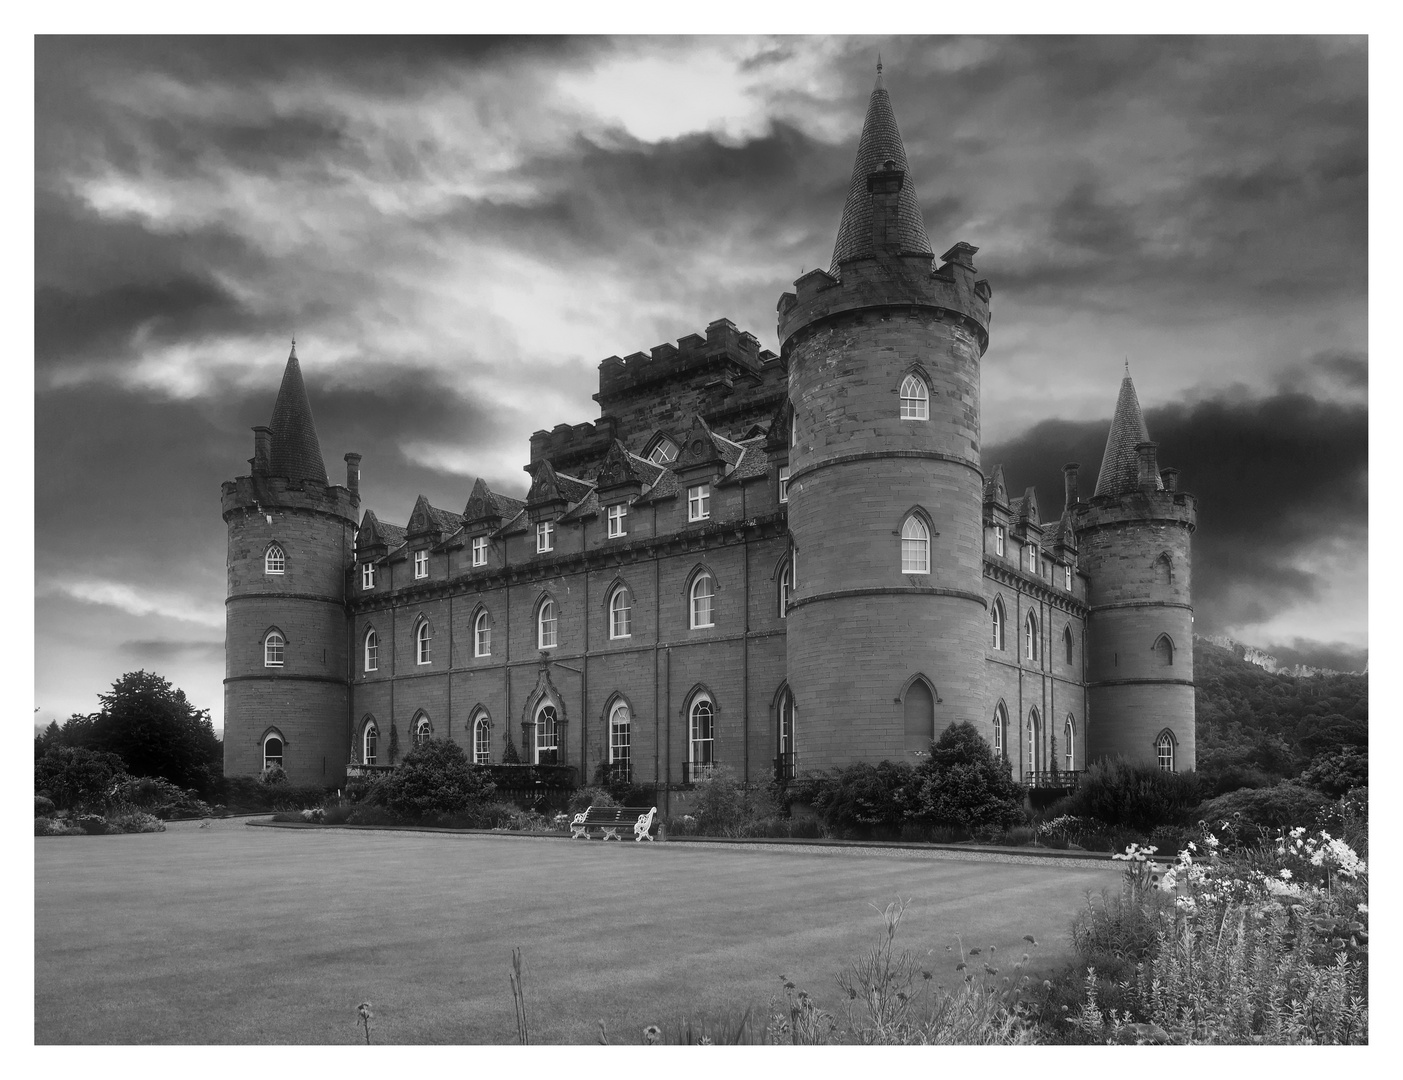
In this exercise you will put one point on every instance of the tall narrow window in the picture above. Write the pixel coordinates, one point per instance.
(1067, 644)
(367, 576)
(620, 738)
(273, 649)
(274, 561)
(784, 483)
(422, 637)
(915, 404)
(788, 718)
(273, 752)
(618, 514)
(479, 551)
(1034, 741)
(482, 634)
(547, 736)
(421, 564)
(545, 536)
(1032, 558)
(698, 502)
(1067, 577)
(372, 741)
(703, 589)
(703, 738)
(1162, 569)
(996, 618)
(372, 650)
(482, 740)
(423, 730)
(784, 592)
(545, 626)
(1069, 742)
(915, 546)
(1164, 751)
(620, 614)
(999, 540)
(1001, 732)
(1030, 638)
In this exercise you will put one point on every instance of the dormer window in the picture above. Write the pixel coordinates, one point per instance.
(421, 564)
(663, 451)
(699, 502)
(999, 540)
(617, 515)
(479, 551)
(367, 576)
(1067, 578)
(545, 536)
(1032, 558)
(784, 483)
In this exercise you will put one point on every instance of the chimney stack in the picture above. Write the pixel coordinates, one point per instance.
(262, 448)
(1148, 469)
(885, 187)
(1069, 485)
(1170, 478)
(353, 474)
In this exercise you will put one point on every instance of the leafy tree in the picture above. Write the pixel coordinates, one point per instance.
(1337, 773)
(435, 779)
(51, 736)
(860, 798)
(76, 778)
(963, 783)
(509, 755)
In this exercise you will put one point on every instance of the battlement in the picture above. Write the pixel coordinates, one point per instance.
(566, 445)
(1138, 507)
(728, 351)
(893, 281)
(256, 494)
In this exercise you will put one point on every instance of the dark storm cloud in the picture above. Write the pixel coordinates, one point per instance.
(1297, 482)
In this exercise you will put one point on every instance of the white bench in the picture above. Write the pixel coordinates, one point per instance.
(610, 819)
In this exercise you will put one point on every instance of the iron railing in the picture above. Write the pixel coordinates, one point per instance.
(692, 771)
(1052, 778)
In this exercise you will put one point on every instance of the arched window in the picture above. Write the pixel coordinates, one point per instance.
(918, 706)
(788, 718)
(371, 740)
(702, 742)
(1067, 643)
(274, 561)
(703, 590)
(1001, 732)
(547, 735)
(1162, 569)
(272, 750)
(482, 634)
(996, 618)
(620, 740)
(273, 645)
(422, 639)
(545, 625)
(423, 730)
(915, 546)
(1034, 741)
(784, 592)
(1031, 639)
(915, 404)
(482, 740)
(620, 613)
(1164, 650)
(663, 450)
(372, 650)
(1069, 742)
(1164, 750)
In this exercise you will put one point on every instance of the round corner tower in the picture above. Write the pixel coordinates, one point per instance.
(1134, 546)
(285, 645)
(885, 491)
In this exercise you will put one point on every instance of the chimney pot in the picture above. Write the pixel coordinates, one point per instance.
(1148, 469)
(1069, 483)
(1170, 478)
(353, 473)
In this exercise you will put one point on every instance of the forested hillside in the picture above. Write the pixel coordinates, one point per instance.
(1256, 727)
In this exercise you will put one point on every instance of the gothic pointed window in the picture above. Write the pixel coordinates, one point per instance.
(372, 651)
(274, 561)
(620, 613)
(1067, 645)
(620, 740)
(702, 593)
(423, 637)
(482, 740)
(1164, 750)
(1164, 651)
(273, 646)
(1032, 645)
(915, 400)
(702, 741)
(996, 619)
(482, 634)
(1001, 732)
(547, 750)
(370, 743)
(1034, 741)
(915, 546)
(784, 592)
(423, 730)
(545, 626)
(1069, 742)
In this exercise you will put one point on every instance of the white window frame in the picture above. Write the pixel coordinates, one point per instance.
(699, 502)
(617, 515)
(1069, 738)
(1034, 742)
(545, 536)
(620, 614)
(547, 636)
(1067, 577)
(421, 565)
(274, 649)
(269, 761)
(538, 741)
(915, 546)
(784, 592)
(423, 730)
(1165, 751)
(1033, 559)
(663, 452)
(370, 743)
(620, 734)
(482, 740)
(702, 605)
(788, 723)
(915, 399)
(1031, 636)
(784, 483)
(367, 576)
(998, 620)
(1001, 732)
(701, 751)
(999, 540)
(370, 651)
(482, 634)
(423, 644)
(275, 560)
(479, 550)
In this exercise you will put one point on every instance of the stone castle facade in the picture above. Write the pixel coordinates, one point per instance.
(767, 562)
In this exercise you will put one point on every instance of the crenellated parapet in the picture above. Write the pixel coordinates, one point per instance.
(252, 494)
(726, 350)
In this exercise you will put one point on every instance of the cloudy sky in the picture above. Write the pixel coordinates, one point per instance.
(458, 231)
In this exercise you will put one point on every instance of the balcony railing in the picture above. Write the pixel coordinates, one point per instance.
(692, 771)
(358, 771)
(1052, 778)
(784, 768)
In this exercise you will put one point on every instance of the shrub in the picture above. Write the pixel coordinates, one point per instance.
(131, 820)
(1334, 774)
(963, 784)
(861, 799)
(273, 774)
(43, 806)
(1133, 794)
(435, 779)
(92, 824)
(161, 797)
(583, 798)
(54, 826)
(76, 778)
(1272, 808)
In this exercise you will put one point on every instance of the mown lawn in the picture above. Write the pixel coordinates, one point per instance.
(257, 935)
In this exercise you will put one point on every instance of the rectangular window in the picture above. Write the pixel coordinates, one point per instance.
(784, 483)
(479, 551)
(1067, 578)
(545, 533)
(421, 564)
(999, 540)
(698, 502)
(367, 576)
(1032, 559)
(617, 514)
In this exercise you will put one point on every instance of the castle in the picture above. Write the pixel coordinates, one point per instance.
(766, 562)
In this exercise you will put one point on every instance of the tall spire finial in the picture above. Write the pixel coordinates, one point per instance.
(879, 63)
(1127, 367)
(293, 355)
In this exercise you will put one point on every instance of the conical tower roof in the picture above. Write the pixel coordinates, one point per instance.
(880, 143)
(1120, 469)
(295, 452)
